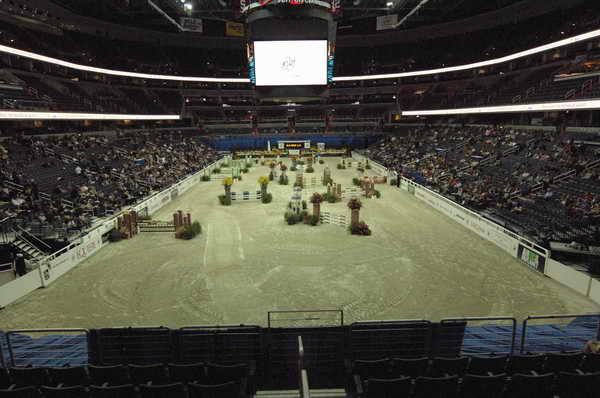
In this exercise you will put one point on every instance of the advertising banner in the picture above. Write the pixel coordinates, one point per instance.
(191, 24)
(234, 29)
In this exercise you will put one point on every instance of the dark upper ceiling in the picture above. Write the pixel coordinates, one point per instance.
(139, 13)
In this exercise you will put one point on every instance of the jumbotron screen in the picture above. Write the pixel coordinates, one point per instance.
(290, 62)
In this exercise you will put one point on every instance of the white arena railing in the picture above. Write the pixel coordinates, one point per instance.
(581, 105)
(536, 257)
(64, 260)
(29, 115)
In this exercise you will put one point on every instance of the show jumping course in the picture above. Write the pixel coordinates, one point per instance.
(130, 225)
(246, 195)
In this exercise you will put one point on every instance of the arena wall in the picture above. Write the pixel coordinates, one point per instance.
(528, 252)
(61, 262)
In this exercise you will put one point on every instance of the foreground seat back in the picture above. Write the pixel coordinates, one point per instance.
(436, 387)
(175, 390)
(116, 375)
(388, 388)
(413, 367)
(528, 386)
(486, 365)
(479, 386)
(225, 390)
(124, 391)
(69, 376)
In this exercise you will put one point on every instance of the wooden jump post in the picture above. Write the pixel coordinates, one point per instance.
(127, 224)
(181, 221)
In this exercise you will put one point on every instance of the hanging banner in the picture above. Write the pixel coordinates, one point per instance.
(387, 22)
(234, 29)
(191, 24)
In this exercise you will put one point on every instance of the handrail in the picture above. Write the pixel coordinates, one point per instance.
(556, 316)
(23, 230)
(304, 386)
(300, 353)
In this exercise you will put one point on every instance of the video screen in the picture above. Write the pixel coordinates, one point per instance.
(290, 63)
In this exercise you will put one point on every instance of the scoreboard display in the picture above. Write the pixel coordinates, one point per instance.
(294, 145)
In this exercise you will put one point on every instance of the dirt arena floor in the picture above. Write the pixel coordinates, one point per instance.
(248, 261)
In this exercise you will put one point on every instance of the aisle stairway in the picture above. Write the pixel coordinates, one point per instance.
(316, 393)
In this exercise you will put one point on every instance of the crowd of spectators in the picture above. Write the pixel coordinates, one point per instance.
(506, 173)
(65, 182)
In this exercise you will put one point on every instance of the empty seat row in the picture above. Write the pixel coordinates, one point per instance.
(157, 374)
(479, 365)
(174, 390)
(565, 385)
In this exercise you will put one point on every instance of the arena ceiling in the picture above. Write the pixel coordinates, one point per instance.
(140, 13)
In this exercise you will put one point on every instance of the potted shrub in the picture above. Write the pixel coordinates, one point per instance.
(263, 182)
(227, 183)
(360, 228)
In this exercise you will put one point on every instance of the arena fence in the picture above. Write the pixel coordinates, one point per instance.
(326, 336)
(132, 345)
(493, 335)
(556, 333)
(385, 339)
(40, 347)
(220, 344)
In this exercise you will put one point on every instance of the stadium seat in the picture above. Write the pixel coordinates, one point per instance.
(436, 387)
(175, 390)
(576, 385)
(528, 386)
(30, 376)
(69, 376)
(526, 363)
(377, 369)
(487, 365)
(225, 390)
(563, 362)
(219, 374)
(64, 392)
(4, 379)
(388, 388)
(591, 363)
(142, 374)
(22, 392)
(449, 366)
(186, 373)
(116, 375)
(413, 367)
(124, 391)
(478, 386)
